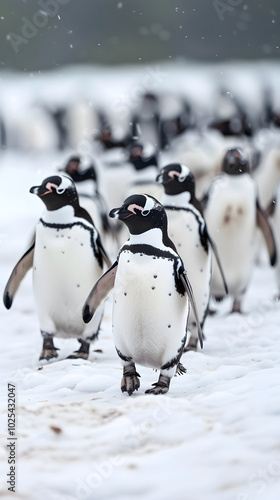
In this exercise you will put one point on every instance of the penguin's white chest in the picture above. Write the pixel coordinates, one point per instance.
(64, 271)
(184, 232)
(149, 315)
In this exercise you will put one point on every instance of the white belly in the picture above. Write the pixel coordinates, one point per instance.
(64, 272)
(231, 221)
(149, 316)
(183, 231)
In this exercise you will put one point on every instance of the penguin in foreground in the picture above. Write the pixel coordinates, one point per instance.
(188, 230)
(232, 213)
(67, 256)
(151, 296)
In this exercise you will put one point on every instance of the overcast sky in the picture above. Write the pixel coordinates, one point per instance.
(43, 34)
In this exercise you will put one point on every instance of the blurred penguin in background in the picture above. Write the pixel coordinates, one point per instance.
(86, 181)
(188, 231)
(145, 170)
(233, 213)
(273, 212)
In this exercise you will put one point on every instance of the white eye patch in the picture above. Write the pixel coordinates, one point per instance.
(66, 182)
(149, 205)
(185, 171)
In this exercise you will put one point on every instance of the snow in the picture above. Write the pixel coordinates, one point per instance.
(214, 436)
(80, 437)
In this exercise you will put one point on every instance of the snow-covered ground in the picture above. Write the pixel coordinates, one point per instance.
(214, 436)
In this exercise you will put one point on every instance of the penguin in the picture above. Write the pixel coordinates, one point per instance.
(145, 119)
(271, 112)
(175, 118)
(3, 135)
(232, 213)
(114, 168)
(145, 171)
(66, 256)
(231, 119)
(58, 115)
(86, 181)
(105, 137)
(273, 212)
(267, 176)
(151, 296)
(188, 231)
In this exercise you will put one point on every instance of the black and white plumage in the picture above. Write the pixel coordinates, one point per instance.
(151, 295)
(67, 257)
(273, 212)
(145, 170)
(233, 213)
(86, 182)
(188, 230)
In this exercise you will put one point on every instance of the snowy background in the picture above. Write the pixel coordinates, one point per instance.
(215, 435)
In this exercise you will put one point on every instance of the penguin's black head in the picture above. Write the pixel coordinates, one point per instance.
(72, 165)
(56, 192)
(136, 150)
(141, 212)
(177, 178)
(235, 162)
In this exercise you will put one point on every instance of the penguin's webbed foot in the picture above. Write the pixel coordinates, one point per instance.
(130, 381)
(161, 386)
(83, 352)
(180, 370)
(49, 351)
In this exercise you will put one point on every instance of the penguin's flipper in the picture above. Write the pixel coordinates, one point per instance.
(188, 288)
(99, 292)
(215, 252)
(17, 275)
(204, 200)
(101, 253)
(265, 227)
(269, 211)
(103, 212)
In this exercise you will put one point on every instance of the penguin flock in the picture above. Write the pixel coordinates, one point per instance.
(167, 216)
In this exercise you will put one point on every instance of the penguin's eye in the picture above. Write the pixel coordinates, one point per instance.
(60, 191)
(145, 213)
